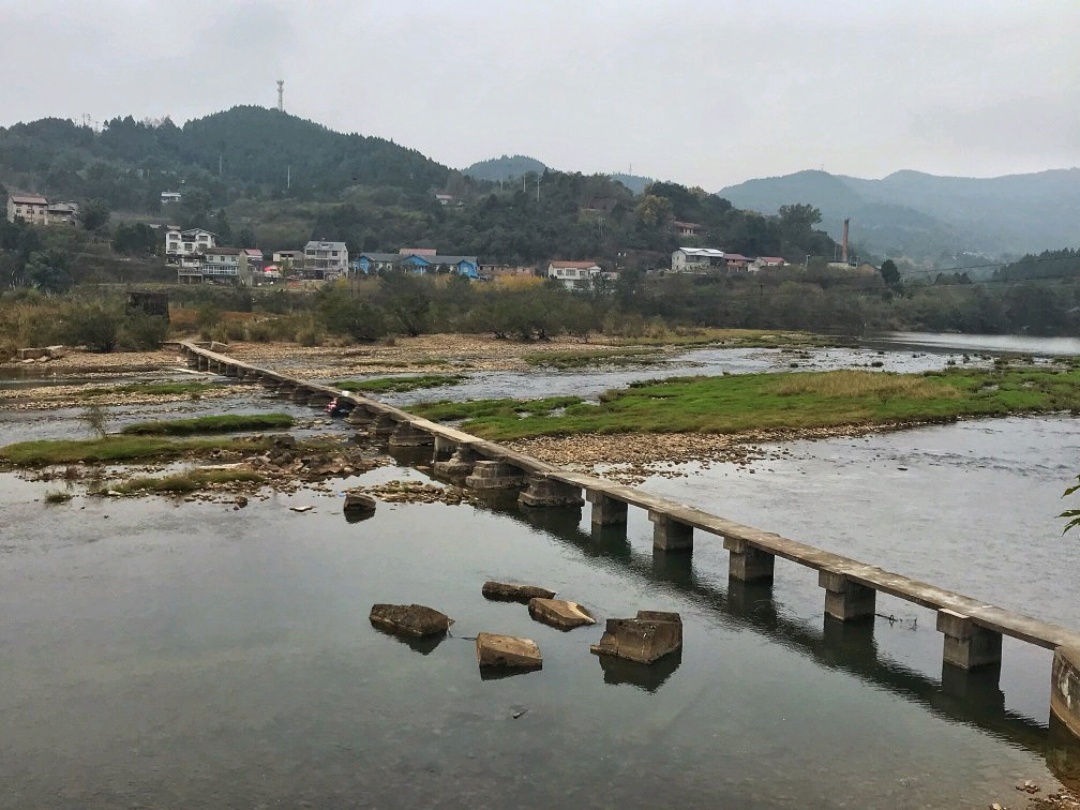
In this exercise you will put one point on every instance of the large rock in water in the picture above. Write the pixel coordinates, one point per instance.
(646, 638)
(559, 613)
(512, 592)
(416, 621)
(507, 652)
(359, 503)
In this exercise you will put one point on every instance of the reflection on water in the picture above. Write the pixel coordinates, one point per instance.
(998, 344)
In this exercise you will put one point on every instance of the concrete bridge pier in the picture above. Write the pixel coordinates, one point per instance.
(444, 448)
(406, 434)
(318, 399)
(202, 363)
(383, 426)
(192, 360)
(748, 564)
(359, 415)
(300, 395)
(459, 465)
(669, 534)
(606, 511)
(1065, 693)
(496, 475)
(543, 491)
(980, 687)
(967, 645)
(285, 389)
(845, 599)
(231, 370)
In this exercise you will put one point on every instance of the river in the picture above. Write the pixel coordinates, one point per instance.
(158, 654)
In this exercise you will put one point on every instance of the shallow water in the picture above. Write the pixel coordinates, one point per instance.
(168, 655)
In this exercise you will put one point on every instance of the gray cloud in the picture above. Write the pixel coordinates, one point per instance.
(706, 93)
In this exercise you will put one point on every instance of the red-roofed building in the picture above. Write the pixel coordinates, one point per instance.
(30, 208)
(737, 262)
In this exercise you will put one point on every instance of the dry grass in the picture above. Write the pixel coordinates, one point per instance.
(858, 384)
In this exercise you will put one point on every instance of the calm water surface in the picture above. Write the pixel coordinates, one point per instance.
(194, 655)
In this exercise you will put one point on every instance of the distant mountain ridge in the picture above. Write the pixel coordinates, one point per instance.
(924, 216)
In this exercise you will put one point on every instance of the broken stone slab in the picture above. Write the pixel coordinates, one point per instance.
(507, 652)
(417, 621)
(645, 639)
(559, 613)
(358, 502)
(218, 348)
(512, 592)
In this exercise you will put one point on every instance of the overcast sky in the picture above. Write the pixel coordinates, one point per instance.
(704, 93)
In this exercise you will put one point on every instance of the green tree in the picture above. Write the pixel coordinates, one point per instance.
(94, 215)
(48, 271)
(1072, 514)
(890, 273)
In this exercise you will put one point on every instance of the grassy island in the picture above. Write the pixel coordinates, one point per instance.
(777, 402)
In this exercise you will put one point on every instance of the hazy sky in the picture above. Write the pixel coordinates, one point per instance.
(704, 93)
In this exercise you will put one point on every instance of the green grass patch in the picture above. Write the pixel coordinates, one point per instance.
(189, 481)
(118, 449)
(225, 423)
(595, 357)
(482, 410)
(56, 496)
(150, 389)
(397, 385)
(793, 401)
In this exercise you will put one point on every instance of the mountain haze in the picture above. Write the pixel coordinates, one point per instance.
(924, 216)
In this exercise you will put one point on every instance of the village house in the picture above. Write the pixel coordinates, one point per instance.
(289, 261)
(574, 274)
(687, 229)
(766, 261)
(170, 197)
(34, 209)
(697, 260)
(737, 263)
(326, 260)
(421, 261)
(192, 242)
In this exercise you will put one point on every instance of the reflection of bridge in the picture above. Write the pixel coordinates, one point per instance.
(972, 629)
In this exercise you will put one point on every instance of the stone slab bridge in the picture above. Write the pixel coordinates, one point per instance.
(972, 630)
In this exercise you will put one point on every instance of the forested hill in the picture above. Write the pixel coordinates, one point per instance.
(924, 216)
(504, 168)
(129, 163)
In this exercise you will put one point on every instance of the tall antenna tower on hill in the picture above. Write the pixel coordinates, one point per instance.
(281, 95)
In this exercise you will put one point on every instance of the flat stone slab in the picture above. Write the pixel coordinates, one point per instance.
(513, 592)
(559, 613)
(645, 639)
(507, 652)
(416, 621)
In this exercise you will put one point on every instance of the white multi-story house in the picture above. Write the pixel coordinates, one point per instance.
(193, 242)
(324, 259)
(30, 208)
(697, 260)
(574, 274)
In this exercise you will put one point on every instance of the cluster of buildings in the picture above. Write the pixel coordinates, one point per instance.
(35, 210)
(711, 260)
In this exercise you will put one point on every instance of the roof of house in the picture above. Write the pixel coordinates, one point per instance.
(379, 257)
(771, 259)
(679, 224)
(417, 252)
(736, 257)
(28, 199)
(322, 243)
(192, 231)
(223, 251)
(574, 265)
(254, 252)
(709, 252)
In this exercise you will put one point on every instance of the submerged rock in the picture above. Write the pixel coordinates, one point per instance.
(646, 638)
(512, 592)
(559, 613)
(410, 620)
(507, 652)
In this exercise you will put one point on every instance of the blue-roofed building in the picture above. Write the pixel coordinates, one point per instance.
(419, 262)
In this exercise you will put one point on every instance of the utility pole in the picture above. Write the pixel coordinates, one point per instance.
(538, 188)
